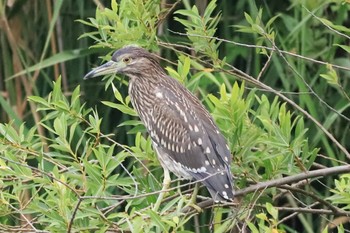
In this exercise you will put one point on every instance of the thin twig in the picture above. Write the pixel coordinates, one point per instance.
(24, 217)
(262, 47)
(320, 200)
(267, 63)
(70, 224)
(251, 209)
(326, 25)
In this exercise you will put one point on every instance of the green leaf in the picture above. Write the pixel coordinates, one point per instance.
(75, 101)
(117, 94)
(209, 10)
(173, 73)
(272, 210)
(186, 67)
(248, 18)
(336, 27)
(157, 220)
(268, 24)
(57, 58)
(130, 122)
(325, 230)
(189, 13)
(39, 100)
(9, 111)
(123, 108)
(252, 227)
(114, 5)
(345, 47)
(262, 216)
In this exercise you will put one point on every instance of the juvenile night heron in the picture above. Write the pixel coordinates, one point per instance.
(184, 135)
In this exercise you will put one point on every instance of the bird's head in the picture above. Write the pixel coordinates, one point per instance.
(131, 61)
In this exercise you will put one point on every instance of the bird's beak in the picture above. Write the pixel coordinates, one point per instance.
(110, 67)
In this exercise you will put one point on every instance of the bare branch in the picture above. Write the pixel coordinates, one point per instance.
(292, 179)
(281, 183)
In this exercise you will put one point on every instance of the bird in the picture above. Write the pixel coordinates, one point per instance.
(183, 133)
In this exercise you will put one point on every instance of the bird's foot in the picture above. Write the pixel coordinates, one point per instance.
(194, 206)
(192, 203)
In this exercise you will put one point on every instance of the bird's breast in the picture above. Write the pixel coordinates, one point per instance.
(143, 98)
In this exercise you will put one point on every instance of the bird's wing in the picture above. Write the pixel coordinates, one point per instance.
(186, 132)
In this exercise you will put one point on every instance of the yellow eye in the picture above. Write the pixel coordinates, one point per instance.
(126, 60)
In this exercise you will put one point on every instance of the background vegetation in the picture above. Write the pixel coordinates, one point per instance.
(275, 75)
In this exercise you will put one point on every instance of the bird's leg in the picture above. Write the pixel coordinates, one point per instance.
(193, 199)
(166, 183)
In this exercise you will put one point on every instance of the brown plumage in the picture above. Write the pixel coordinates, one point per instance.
(184, 135)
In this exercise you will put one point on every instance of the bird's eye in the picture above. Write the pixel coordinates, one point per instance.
(126, 60)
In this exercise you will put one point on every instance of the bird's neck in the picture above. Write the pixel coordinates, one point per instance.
(141, 92)
(141, 83)
(146, 80)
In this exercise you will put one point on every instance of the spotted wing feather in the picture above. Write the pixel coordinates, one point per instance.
(183, 130)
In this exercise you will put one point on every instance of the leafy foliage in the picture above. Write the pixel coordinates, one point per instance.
(126, 23)
(341, 192)
(201, 29)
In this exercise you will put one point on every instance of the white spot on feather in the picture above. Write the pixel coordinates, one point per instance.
(182, 149)
(200, 141)
(207, 150)
(185, 118)
(196, 128)
(159, 95)
(196, 170)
